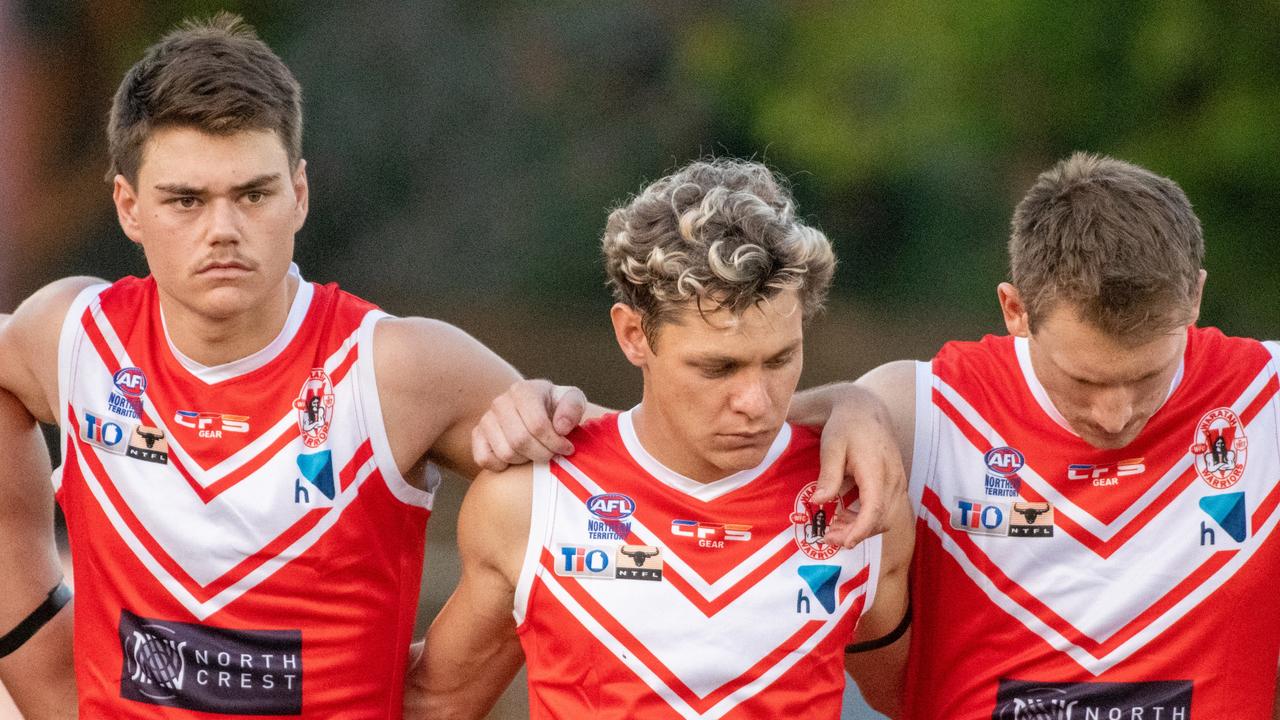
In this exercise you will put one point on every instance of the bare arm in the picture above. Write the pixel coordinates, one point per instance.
(472, 651)
(880, 673)
(867, 435)
(434, 383)
(38, 674)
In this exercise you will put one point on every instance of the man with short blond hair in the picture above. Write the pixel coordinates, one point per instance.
(1084, 547)
(676, 564)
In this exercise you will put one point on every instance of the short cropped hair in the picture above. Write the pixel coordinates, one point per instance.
(214, 75)
(723, 233)
(1117, 242)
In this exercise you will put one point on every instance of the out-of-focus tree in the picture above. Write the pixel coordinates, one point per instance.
(926, 121)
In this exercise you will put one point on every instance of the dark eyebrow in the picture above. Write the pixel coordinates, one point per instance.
(256, 183)
(253, 184)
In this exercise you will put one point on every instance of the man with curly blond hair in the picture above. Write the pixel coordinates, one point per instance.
(670, 567)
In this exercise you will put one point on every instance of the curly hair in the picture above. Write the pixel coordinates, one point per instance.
(722, 232)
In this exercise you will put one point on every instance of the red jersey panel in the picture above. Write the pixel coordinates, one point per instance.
(243, 544)
(645, 594)
(1056, 580)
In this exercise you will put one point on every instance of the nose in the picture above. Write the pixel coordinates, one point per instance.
(1112, 409)
(751, 396)
(224, 222)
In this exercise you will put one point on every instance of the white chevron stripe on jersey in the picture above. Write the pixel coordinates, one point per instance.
(208, 548)
(231, 463)
(1101, 663)
(673, 651)
(708, 590)
(1099, 529)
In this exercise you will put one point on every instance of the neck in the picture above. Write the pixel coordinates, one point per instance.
(216, 341)
(663, 443)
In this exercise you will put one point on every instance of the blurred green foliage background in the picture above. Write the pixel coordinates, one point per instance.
(463, 155)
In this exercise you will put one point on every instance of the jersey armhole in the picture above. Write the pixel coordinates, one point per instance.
(873, 547)
(69, 344)
(541, 517)
(371, 409)
(925, 445)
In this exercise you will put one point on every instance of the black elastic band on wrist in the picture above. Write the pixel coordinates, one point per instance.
(58, 597)
(885, 641)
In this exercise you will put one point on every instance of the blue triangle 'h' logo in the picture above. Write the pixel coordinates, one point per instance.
(1228, 511)
(317, 468)
(822, 580)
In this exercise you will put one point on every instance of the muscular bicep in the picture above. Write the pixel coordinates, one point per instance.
(435, 382)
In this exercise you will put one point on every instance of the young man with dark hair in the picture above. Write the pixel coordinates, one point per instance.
(244, 471)
(245, 454)
(675, 565)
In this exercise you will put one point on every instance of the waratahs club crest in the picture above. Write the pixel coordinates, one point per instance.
(315, 408)
(1220, 448)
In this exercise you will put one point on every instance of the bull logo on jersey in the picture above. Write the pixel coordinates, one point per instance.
(148, 444)
(1220, 448)
(315, 408)
(639, 562)
(811, 521)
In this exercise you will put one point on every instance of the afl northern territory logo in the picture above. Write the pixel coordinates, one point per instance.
(1220, 448)
(315, 408)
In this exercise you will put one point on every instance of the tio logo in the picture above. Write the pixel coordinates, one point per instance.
(584, 561)
(104, 433)
(979, 516)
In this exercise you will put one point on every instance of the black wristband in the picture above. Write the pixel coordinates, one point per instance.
(885, 641)
(59, 596)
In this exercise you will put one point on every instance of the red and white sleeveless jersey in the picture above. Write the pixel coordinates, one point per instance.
(1056, 580)
(242, 542)
(645, 594)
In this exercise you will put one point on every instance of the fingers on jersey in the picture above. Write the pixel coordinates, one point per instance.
(525, 424)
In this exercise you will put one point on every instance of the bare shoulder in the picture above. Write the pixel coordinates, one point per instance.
(29, 344)
(493, 526)
(434, 383)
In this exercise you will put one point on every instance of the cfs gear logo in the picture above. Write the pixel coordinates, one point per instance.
(811, 521)
(1108, 474)
(585, 561)
(639, 562)
(611, 511)
(130, 383)
(710, 535)
(211, 425)
(1029, 700)
(315, 408)
(210, 669)
(148, 444)
(1220, 448)
(1031, 520)
(102, 432)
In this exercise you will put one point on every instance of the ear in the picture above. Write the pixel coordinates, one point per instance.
(301, 195)
(126, 201)
(630, 334)
(1015, 312)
